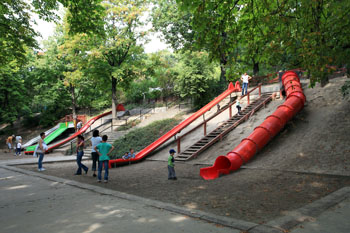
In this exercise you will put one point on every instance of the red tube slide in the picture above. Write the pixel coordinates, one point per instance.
(262, 134)
(143, 153)
(81, 131)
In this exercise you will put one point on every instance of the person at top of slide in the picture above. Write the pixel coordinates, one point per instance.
(245, 79)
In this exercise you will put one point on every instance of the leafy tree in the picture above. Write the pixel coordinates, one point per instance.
(116, 56)
(307, 34)
(174, 24)
(196, 78)
(12, 100)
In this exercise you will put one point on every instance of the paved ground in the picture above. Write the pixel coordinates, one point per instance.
(35, 202)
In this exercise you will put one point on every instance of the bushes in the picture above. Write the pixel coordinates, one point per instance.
(142, 137)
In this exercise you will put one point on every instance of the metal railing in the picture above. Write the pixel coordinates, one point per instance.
(205, 121)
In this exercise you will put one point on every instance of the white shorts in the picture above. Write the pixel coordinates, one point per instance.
(9, 145)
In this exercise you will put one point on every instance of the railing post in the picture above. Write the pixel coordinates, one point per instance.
(259, 90)
(205, 128)
(71, 147)
(248, 98)
(230, 111)
(179, 145)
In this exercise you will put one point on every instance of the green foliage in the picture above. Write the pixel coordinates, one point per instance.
(345, 89)
(129, 125)
(196, 78)
(13, 102)
(142, 137)
(312, 35)
(117, 57)
(174, 24)
(140, 89)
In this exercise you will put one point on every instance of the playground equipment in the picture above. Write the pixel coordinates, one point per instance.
(226, 127)
(262, 134)
(50, 137)
(36, 139)
(146, 151)
(88, 124)
(81, 131)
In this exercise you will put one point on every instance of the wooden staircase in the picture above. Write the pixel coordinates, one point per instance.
(217, 134)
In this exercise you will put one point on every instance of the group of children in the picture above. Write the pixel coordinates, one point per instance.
(17, 146)
(100, 151)
(99, 154)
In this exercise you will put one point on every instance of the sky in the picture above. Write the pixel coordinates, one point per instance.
(47, 29)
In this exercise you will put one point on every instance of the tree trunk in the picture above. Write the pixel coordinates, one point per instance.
(324, 79)
(255, 68)
(114, 99)
(223, 62)
(74, 105)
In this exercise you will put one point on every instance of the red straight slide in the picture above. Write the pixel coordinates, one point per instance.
(143, 153)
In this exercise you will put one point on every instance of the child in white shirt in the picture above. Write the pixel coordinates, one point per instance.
(19, 147)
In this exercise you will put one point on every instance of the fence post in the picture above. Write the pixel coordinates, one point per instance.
(259, 90)
(179, 145)
(230, 111)
(248, 98)
(205, 128)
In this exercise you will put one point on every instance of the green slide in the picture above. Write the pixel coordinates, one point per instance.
(63, 127)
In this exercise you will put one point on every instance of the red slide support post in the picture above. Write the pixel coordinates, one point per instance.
(143, 153)
(263, 133)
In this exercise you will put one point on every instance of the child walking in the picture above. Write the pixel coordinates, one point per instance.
(19, 147)
(171, 165)
(238, 105)
(103, 149)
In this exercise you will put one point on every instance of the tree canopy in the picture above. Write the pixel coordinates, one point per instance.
(97, 53)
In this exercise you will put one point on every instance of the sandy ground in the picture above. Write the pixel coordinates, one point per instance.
(306, 161)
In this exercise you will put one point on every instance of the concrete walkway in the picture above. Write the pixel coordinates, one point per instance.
(35, 202)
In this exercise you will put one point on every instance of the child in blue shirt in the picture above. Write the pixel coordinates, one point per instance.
(130, 155)
(103, 149)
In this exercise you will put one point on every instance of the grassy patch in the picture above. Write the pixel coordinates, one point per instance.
(129, 125)
(142, 137)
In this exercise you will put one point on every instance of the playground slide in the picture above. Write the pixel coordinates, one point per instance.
(262, 134)
(143, 153)
(81, 131)
(49, 138)
(36, 139)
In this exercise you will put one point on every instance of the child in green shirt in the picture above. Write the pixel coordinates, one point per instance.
(103, 149)
(171, 165)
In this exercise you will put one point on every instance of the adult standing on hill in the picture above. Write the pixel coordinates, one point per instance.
(9, 142)
(41, 152)
(245, 79)
(95, 140)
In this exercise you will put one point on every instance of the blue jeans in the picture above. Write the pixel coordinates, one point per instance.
(171, 172)
(244, 87)
(40, 161)
(100, 164)
(18, 151)
(80, 155)
(95, 160)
